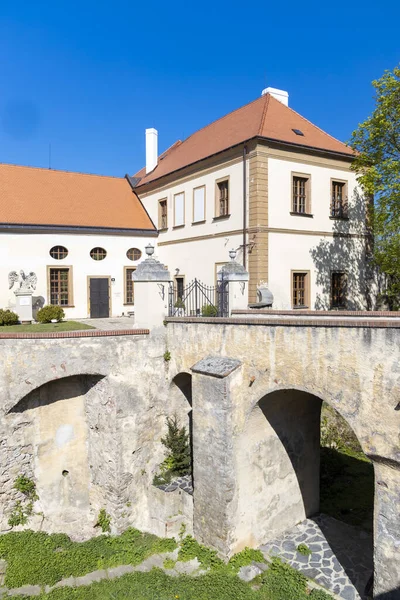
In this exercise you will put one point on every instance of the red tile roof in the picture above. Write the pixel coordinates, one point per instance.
(34, 196)
(265, 117)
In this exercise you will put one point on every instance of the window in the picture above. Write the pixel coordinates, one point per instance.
(60, 286)
(300, 289)
(179, 209)
(199, 198)
(222, 208)
(98, 253)
(129, 285)
(162, 214)
(339, 199)
(134, 253)
(338, 289)
(58, 252)
(180, 285)
(301, 204)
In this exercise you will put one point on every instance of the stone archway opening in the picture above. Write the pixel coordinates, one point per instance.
(286, 481)
(51, 439)
(180, 399)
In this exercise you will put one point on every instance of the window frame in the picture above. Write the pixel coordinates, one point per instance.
(126, 269)
(199, 187)
(345, 201)
(217, 204)
(342, 306)
(307, 204)
(68, 268)
(134, 259)
(58, 257)
(307, 288)
(98, 248)
(160, 228)
(176, 277)
(184, 210)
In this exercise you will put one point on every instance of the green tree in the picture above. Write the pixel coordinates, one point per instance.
(377, 145)
(178, 460)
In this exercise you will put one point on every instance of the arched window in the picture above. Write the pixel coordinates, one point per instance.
(58, 252)
(98, 253)
(134, 253)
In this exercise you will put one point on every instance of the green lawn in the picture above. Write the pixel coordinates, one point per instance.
(40, 327)
(39, 558)
(347, 487)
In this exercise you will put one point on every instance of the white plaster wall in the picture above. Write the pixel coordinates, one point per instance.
(198, 258)
(30, 252)
(320, 255)
(280, 197)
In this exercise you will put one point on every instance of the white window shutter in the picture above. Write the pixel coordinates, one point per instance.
(179, 209)
(198, 204)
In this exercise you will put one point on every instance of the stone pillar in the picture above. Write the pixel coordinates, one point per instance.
(213, 452)
(387, 530)
(23, 306)
(151, 281)
(237, 279)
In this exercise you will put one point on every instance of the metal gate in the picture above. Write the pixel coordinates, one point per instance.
(199, 300)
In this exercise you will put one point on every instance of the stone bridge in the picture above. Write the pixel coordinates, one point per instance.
(84, 417)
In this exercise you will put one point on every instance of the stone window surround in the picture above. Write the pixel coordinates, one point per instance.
(70, 284)
(160, 223)
(217, 213)
(126, 270)
(307, 211)
(307, 288)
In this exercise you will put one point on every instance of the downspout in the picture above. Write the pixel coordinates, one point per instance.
(244, 204)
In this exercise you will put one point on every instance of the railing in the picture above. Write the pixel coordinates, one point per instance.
(199, 300)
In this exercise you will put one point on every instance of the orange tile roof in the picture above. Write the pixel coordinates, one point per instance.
(35, 196)
(264, 117)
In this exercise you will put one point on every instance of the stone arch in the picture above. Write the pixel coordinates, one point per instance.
(180, 399)
(278, 466)
(50, 439)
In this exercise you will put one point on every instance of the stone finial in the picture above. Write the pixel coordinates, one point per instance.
(265, 297)
(151, 269)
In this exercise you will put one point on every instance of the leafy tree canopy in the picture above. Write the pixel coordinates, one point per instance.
(377, 143)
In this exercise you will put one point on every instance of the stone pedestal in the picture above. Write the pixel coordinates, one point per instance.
(236, 278)
(213, 451)
(23, 306)
(151, 281)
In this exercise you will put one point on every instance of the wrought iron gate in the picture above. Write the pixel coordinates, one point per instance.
(199, 300)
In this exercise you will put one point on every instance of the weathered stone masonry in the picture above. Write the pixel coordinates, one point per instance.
(255, 427)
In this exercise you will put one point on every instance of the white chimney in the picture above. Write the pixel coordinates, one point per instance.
(151, 149)
(280, 95)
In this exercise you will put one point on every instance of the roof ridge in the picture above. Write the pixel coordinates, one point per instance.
(222, 118)
(316, 126)
(59, 171)
(264, 113)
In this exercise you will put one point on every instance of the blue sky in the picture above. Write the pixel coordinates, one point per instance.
(88, 77)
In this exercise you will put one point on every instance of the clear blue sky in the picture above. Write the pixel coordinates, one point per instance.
(89, 77)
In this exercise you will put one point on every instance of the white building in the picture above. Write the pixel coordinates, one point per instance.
(82, 236)
(264, 181)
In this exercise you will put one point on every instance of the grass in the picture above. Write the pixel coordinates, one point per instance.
(41, 327)
(39, 558)
(347, 487)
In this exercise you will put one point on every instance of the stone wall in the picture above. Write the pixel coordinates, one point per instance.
(83, 418)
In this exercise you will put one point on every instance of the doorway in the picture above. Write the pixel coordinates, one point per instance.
(99, 297)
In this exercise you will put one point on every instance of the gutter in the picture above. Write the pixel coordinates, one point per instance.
(244, 204)
(32, 228)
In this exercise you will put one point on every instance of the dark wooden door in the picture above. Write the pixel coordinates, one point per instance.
(99, 297)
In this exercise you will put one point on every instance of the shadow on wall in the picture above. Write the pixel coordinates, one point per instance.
(34, 399)
(350, 255)
(392, 595)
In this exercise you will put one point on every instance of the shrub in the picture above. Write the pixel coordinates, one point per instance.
(190, 548)
(245, 557)
(179, 303)
(8, 317)
(49, 313)
(178, 459)
(26, 486)
(209, 310)
(104, 521)
(282, 582)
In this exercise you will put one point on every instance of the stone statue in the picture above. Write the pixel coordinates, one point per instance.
(26, 282)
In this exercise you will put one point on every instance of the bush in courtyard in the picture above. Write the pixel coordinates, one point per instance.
(178, 460)
(8, 317)
(49, 313)
(209, 310)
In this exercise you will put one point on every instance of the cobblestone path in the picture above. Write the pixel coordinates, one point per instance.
(341, 559)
